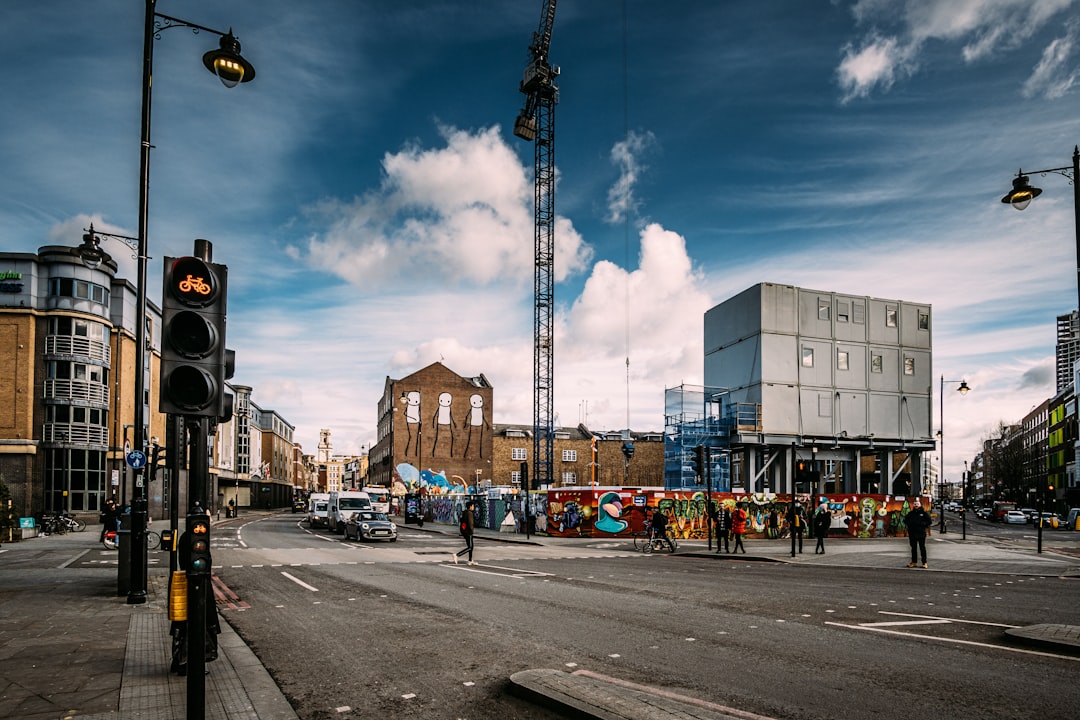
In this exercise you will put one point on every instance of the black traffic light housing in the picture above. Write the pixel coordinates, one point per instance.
(699, 462)
(194, 363)
(628, 450)
(198, 531)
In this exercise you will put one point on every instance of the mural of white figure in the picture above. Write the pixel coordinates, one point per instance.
(412, 417)
(477, 421)
(443, 417)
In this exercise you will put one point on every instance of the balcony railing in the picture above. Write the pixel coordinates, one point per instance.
(78, 347)
(77, 390)
(68, 434)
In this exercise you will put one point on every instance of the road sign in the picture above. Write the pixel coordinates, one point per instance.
(136, 459)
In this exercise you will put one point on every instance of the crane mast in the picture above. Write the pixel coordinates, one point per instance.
(536, 123)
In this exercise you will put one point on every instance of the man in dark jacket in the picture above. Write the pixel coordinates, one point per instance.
(918, 521)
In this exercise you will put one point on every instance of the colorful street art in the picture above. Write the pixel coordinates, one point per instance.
(601, 512)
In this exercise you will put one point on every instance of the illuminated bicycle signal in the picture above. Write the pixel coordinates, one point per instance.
(196, 285)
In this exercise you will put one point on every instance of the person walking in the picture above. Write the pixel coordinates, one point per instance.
(918, 521)
(738, 527)
(773, 524)
(821, 524)
(467, 527)
(721, 520)
(798, 524)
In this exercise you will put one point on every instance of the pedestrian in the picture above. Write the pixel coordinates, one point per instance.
(109, 517)
(738, 526)
(721, 520)
(658, 528)
(773, 524)
(467, 526)
(918, 521)
(798, 524)
(821, 524)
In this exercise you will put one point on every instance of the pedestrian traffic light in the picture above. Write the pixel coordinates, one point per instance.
(699, 461)
(198, 528)
(628, 450)
(193, 355)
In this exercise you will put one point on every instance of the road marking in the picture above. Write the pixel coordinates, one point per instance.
(510, 572)
(300, 582)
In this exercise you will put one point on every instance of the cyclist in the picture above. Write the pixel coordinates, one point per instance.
(658, 528)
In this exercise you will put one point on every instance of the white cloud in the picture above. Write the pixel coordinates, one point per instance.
(625, 155)
(984, 27)
(1053, 76)
(457, 215)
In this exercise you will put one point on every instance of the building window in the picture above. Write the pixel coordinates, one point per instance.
(877, 363)
(909, 365)
(569, 455)
(890, 316)
(569, 478)
(807, 356)
(69, 287)
(515, 477)
(841, 360)
(518, 454)
(841, 311)
(858, 313)
(924, 320)
(822, 309)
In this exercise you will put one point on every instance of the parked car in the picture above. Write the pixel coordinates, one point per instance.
(370, 525)
(1029, 513)
(1015, 517)
(1051, 520)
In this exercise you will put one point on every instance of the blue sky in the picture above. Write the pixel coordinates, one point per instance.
(374, 208)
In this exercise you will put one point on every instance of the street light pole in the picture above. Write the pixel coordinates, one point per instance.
(1022, 194)
(963, 390)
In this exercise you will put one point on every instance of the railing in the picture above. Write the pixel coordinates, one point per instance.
(68, 434)
(77, 346)
(77, 390)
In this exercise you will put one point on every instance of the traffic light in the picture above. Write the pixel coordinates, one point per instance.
(699, 461)
(198, 527)
(193, 355)
(628, 450)
(803, 475)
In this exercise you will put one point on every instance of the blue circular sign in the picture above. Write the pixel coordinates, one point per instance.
(136, 459)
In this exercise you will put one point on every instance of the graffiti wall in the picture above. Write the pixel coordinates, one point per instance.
(592, 512)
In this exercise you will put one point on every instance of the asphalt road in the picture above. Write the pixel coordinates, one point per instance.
(351, 630)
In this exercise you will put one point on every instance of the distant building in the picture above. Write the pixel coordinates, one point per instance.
(835, 377)
(67, 380)
(1067, 349)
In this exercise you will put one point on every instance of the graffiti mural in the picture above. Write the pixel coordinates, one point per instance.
(604, 512)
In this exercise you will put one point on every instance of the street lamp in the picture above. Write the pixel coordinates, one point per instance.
(963, 390)
(232, 69)
(1022, 194)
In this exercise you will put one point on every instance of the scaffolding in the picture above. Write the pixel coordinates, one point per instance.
(701, 415)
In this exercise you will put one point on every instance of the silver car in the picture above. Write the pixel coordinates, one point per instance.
(369, 525)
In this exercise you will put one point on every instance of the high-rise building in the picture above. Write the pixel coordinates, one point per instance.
(1068, 348)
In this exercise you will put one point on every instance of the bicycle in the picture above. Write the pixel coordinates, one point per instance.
(650, 542)
(70, 522)
(111, 541)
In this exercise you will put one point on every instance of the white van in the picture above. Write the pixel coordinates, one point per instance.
(318, 505)
(342, 505)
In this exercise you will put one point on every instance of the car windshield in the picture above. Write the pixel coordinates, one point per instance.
(359, 503)
(370, 516)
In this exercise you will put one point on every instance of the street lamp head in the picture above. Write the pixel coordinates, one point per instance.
(1022, 194)
(228, 64)
(90, 251)
(963, 389)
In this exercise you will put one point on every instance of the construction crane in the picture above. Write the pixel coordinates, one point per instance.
(536, 123)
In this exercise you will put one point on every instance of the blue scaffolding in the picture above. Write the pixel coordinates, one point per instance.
(700, 415)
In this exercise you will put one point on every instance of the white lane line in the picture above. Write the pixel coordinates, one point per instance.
(897, 623)
(955, 641)
(300, 582)
(951, 620)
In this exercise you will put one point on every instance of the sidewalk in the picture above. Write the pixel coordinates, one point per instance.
(71, 648)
